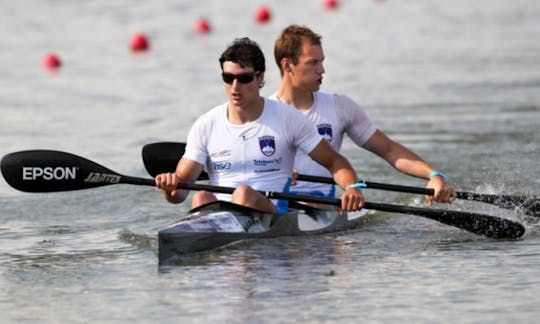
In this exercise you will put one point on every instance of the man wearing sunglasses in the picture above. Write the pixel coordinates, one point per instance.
(299, 56)
(250, 142)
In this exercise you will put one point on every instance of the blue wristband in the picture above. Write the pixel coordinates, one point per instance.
(438, 173)
(358, 186)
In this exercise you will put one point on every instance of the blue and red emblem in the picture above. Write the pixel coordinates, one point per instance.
(326, 131)
(267, 144)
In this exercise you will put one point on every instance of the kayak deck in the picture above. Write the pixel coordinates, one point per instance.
(220, 223)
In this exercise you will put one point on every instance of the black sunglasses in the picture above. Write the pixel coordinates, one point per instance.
(242, 77)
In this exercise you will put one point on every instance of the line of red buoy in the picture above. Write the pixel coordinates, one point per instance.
(139, 42)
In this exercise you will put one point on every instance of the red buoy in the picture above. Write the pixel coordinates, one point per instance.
(331, 4)
(202, 26)
(262, 15)
(139, 42)
(51, 61)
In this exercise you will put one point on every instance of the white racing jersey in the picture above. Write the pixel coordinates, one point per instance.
(259, 154)
(334, 115)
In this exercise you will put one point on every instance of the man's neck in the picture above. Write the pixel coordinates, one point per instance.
(298, 98)
(241, 115)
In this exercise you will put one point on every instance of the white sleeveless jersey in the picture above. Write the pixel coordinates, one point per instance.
(259, 154)
(334, 115)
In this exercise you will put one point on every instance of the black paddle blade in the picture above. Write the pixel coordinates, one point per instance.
(481, 224)
(51, 171)
(163, 157)
(528, 204)
(486, 225)
(531, 207)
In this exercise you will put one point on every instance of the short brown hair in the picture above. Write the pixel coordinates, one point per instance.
(244, 52)
(289, 43)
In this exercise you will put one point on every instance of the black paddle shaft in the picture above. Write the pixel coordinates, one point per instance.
(163, 157)
(51, 171)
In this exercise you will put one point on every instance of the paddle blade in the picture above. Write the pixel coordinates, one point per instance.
(163, 157)
(51, 171)
(528, 204)
(489, 226)
(486, 225)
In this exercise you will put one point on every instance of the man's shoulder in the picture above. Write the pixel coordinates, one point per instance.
(211, 117)
(278, 105)
(273, 101)
(333, 95)
(339, 100)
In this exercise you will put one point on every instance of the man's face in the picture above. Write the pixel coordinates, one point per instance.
(308, 73)
(242, 83)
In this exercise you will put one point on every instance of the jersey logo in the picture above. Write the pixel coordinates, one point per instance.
(221, 153)
(222, 165)
(267, 144)
(326, 131)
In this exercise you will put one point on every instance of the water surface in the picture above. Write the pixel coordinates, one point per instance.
(455, 81)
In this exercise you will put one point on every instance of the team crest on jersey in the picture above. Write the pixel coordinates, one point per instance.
(267, 144)
(326, 131)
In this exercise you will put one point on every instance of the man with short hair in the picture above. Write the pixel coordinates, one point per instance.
(299, 55)
(250, 142)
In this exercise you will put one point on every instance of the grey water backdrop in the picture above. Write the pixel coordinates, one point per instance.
(456, 81)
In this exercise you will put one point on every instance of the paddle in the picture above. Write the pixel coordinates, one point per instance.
(163, 156)
(51, 171)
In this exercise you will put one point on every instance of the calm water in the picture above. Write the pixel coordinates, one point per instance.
(456, 81)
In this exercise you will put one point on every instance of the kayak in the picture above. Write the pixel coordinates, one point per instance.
(221, 223)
